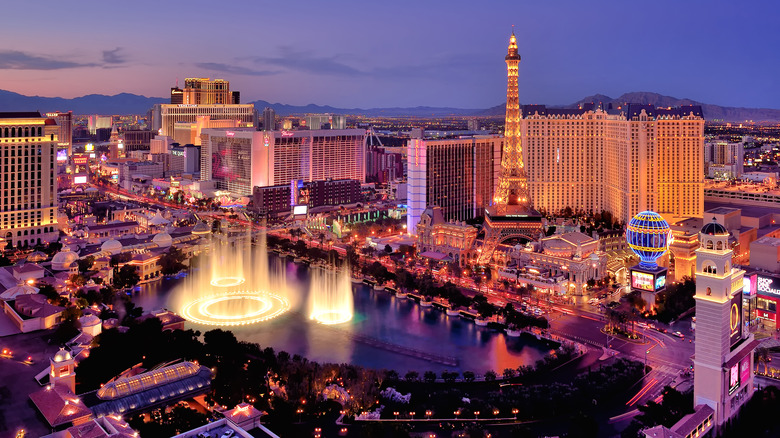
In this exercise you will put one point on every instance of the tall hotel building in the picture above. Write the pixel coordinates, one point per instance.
(238, 160)
(201, 97)
(458, 175)
(28, 143)
(65, 122)
(623, 161)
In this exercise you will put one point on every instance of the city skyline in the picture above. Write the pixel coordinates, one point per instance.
(713, 53)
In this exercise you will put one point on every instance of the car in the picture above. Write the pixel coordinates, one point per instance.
(678, 334)
(228, 433)
(660, 329)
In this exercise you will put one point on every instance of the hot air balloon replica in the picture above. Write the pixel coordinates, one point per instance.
(648, 236)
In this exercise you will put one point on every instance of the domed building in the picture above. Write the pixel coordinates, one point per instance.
(111, 246)
(64, 260)
(21, 289)
(91, 324)
(163, 240)
(201, 229)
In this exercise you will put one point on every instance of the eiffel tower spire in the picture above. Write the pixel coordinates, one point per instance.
(513, 184)
(511, 216)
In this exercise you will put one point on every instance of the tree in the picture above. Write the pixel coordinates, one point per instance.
(468, 376)
(762, 355)
(5, 261)
(490, 376)
(49, 292)
(171, 261)
(388, 249)
(429, 376)
(86, 263)
(127, 276)
(412, 376)
(510, 373)
(77, 280)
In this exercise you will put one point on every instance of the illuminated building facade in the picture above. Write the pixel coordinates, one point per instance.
(324, 121)
(136, 140)
(238, 160)
(723, 361)
(458, 175)
(28, 143)
(205, 91)
(281, 198)
(724, 160)
(165, 116)
(444, 240)
(189, 132)
(624, 161)
(65, 136)
(96, 122)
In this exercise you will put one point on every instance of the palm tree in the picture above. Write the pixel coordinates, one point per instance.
(762, 355)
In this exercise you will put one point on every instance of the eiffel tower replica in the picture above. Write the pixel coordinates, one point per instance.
(511, 214)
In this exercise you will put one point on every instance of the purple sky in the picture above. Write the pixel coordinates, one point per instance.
(396, 53)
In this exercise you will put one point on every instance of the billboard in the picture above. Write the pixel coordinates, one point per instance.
(642, 280)
(767, 285)
(735, 319)
(660, 282)
(82, 179)
(744, 370)
(62, 155)
(733, 378)
(300, 209)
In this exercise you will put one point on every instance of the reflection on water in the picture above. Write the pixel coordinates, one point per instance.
(379, 319)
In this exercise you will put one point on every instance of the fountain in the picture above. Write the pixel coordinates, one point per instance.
(234, 286)
(330, 296)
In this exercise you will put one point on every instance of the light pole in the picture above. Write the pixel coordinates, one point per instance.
(476, 414)
(428, 414)
(411, 414)
(396, 414)
(645, 370)
(515, 411)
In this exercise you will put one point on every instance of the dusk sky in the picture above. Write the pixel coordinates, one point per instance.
(396, 53)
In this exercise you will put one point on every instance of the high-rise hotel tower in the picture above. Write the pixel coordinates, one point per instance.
(623, 160)
(28, 143)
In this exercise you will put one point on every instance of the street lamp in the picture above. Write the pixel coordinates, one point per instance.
(456, 413)
(495, 412)
(515, 411)
(411, 414)
(428, 414)
(300, 414)
(396, 414)
(476, 414)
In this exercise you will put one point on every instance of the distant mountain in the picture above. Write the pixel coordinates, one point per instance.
(419, 111)
(123, 103)
(711, 112)
(126, 103)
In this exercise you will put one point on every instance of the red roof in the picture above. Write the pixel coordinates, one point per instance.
(58, 405)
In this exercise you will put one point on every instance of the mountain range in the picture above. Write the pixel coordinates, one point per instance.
(126, 103)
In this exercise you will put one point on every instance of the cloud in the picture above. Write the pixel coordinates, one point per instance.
(16, 60)
(113, 56)
(307, 63)
(234, 69)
